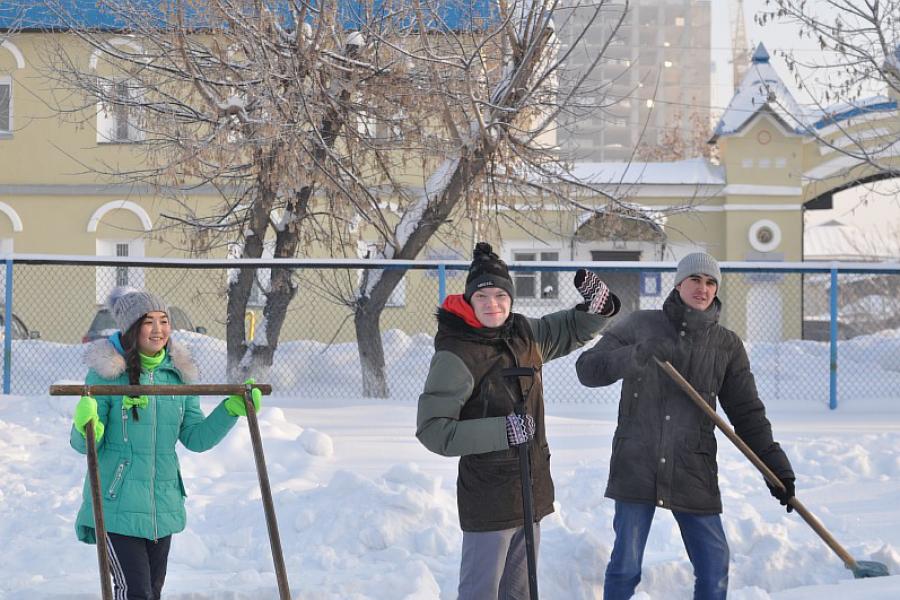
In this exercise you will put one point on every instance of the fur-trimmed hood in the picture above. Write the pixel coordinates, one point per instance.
(103, 357)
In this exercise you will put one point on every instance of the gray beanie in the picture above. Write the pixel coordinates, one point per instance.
(698, 263)
(129, 305)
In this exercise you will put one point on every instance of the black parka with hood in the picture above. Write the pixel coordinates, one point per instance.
(664, 447)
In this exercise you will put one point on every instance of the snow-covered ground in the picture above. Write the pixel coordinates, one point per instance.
(365, 512)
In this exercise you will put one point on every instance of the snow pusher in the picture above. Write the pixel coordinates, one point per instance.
(244, 390)
(524, 451)
(860, 568)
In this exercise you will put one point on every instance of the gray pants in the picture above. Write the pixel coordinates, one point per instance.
(494, 564)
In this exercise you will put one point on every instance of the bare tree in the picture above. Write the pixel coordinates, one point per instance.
(678, 142)
(856, 75)
(316, 134)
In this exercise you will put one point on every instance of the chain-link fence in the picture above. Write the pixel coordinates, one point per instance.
(786, 313)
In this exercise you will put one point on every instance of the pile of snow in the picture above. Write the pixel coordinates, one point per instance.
(365, 512)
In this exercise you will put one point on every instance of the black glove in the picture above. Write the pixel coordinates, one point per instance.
(597, 298)
(519, 429)
(783, 495)
(659, 348)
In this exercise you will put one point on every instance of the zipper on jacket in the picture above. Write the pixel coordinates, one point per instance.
(153, 462)
(117, 479)
(124, 424)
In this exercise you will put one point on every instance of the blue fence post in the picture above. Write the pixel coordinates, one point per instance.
(833, 303)
(442, 283)
(7, 328)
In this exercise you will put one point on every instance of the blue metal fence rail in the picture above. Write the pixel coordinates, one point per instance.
(22, 271)
(7, 328)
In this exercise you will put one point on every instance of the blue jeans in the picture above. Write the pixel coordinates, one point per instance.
(704, 540)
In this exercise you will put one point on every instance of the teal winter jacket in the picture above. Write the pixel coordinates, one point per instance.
(143, 493)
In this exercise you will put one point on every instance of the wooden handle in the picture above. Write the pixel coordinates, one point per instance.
(97, 507)
(265, 489)
(211, 389)
(810, 519)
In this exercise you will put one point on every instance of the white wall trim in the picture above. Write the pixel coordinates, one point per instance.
(762, 207)
(662, 190)
(878, 133)
(13, 216)
(136, 47)
(845, 125)
(765, 113)
(17, 54)
(839, 165)
(749, 189)
(733, 207)
(119, 204)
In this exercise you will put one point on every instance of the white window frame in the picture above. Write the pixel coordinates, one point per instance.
(110, 128)
(6, 80)
(540, 279)
(107, 277)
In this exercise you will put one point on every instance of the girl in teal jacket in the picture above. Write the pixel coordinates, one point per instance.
(143, 492)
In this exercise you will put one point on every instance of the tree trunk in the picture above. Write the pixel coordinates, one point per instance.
(371, 350)
(469, 167)
(287, 240)
(235, 342)
(239, 289)
(367, 315)
(281, 292)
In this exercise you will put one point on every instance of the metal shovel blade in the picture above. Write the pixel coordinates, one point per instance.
(869, 568)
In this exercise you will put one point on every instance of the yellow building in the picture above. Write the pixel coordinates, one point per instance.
(748, 207)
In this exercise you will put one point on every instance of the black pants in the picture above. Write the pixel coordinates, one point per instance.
(138, 566)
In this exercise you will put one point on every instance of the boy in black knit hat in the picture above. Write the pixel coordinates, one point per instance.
(487, 270)
(469, 409)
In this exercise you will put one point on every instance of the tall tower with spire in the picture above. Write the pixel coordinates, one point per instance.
(740, 47)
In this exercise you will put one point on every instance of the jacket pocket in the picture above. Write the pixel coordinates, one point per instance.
(181, 485)
(624, 456)
(698, 459)
(112, 491)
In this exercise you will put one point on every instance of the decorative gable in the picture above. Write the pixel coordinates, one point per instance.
(762, 90)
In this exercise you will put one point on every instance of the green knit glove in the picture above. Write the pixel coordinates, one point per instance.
(131, 401)
(86, 411)
(235, 404)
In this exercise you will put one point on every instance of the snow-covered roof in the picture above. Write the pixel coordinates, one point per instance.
(834, 240)
(845, 110)
(692, 171)
(761, 89)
